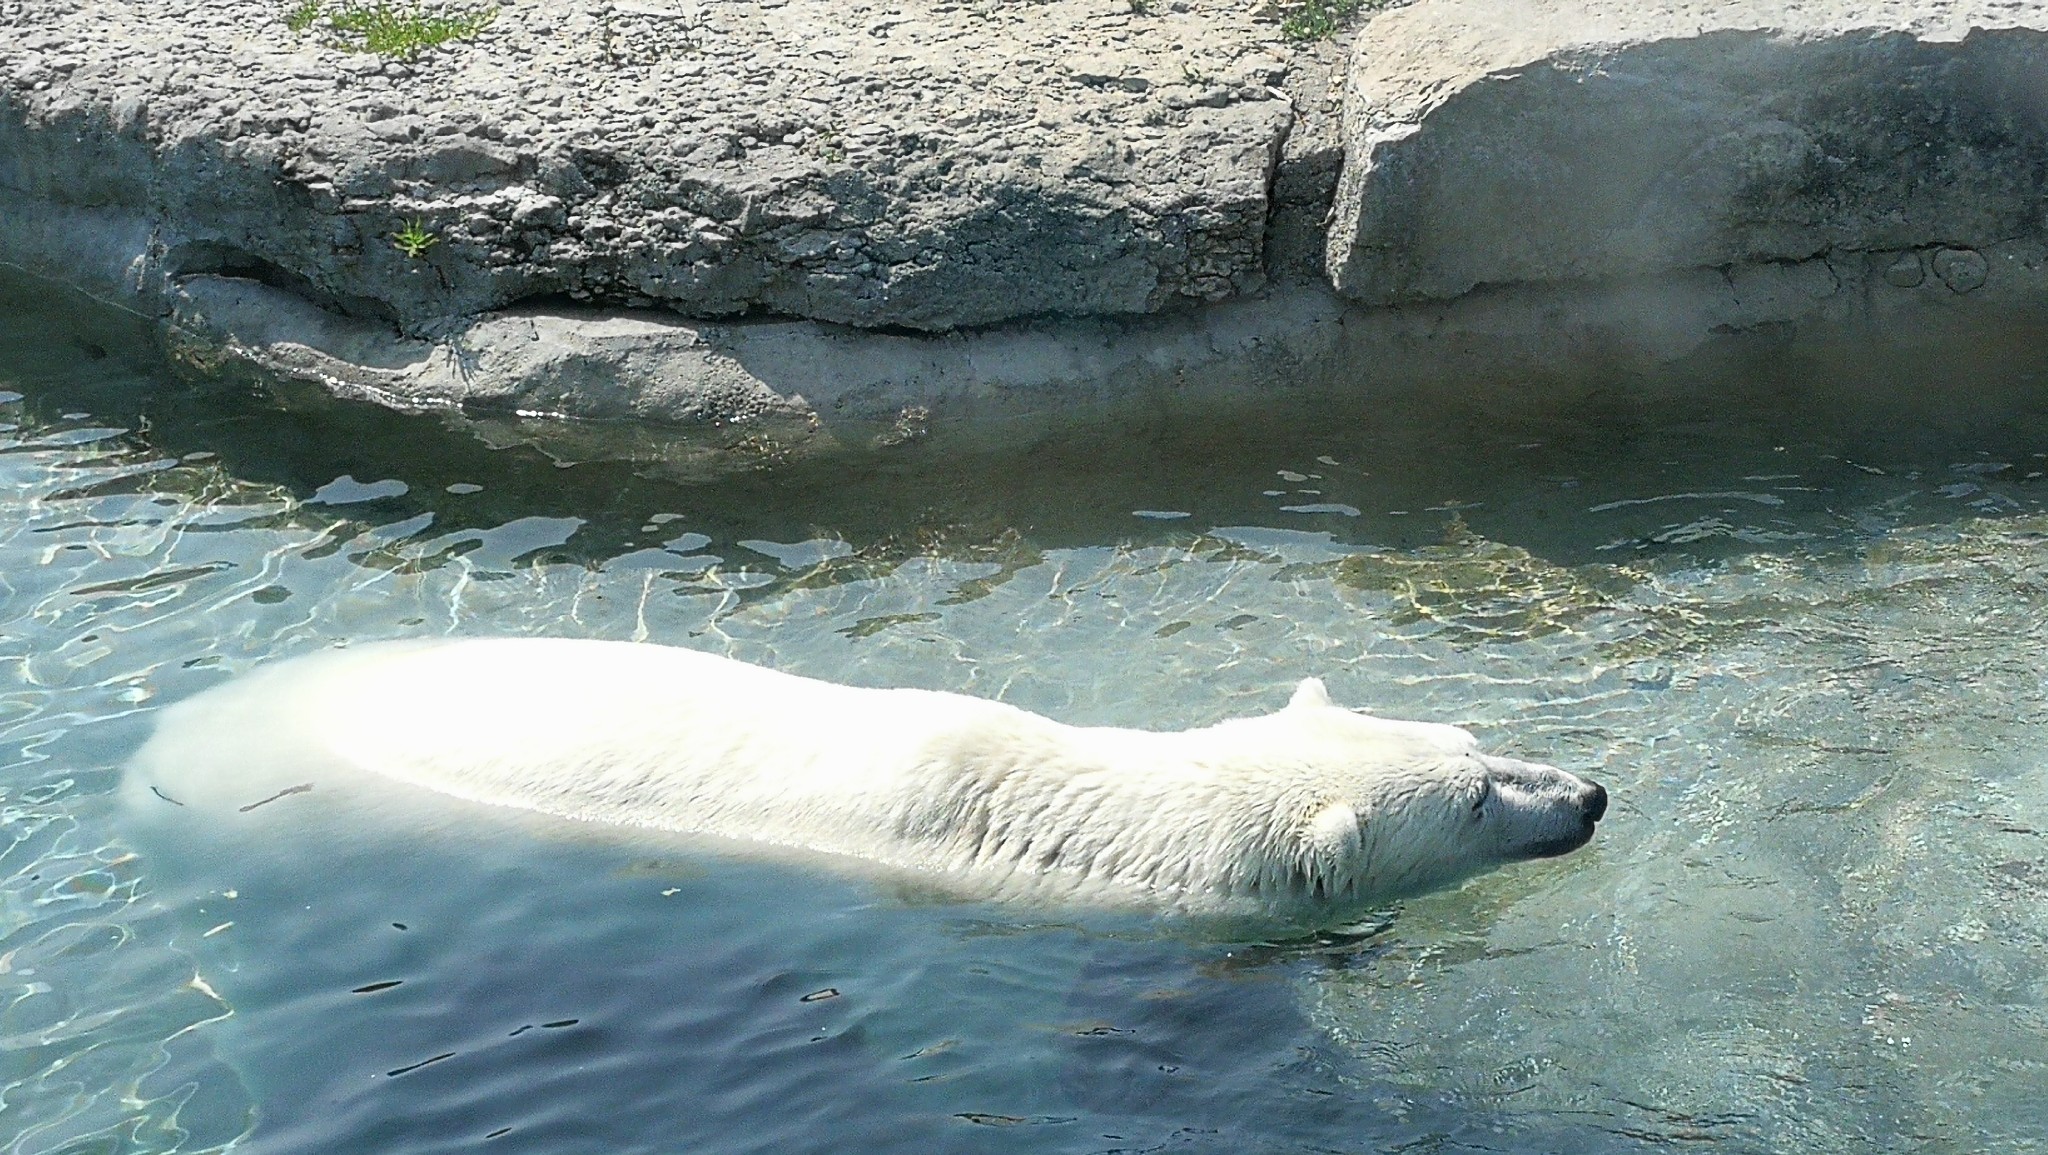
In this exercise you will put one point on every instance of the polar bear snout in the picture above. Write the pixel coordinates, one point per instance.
(1546, 811)
(1591, 804)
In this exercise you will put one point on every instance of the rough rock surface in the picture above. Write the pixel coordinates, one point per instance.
(758, 393)
(796, 225)
(921, 164)
(1503, 141)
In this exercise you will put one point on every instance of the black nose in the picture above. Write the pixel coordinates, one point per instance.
(1596, 802)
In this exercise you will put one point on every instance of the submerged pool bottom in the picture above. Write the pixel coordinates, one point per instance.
(1796, 633)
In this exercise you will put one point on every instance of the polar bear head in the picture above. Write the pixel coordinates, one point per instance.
(1381, 809)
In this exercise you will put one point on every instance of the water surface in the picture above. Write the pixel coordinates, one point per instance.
(1786, 606)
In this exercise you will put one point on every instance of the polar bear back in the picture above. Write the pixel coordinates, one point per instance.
(639, 735)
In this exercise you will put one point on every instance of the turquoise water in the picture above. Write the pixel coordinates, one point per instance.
(1786, 607)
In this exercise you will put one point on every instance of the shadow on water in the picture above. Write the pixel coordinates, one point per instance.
(1748, 444)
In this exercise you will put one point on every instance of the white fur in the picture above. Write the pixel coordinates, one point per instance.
(1313, 812)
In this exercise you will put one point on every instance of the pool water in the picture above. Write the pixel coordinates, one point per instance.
(1785, 604)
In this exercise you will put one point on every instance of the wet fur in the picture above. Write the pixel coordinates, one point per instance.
(1312, 814)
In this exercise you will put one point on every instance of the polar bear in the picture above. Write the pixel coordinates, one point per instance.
(1312, 815)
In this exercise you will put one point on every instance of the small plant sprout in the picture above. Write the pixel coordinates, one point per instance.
(1311, 20)
(414, 239)
(400, 31)
(302, 17)
(826, 139)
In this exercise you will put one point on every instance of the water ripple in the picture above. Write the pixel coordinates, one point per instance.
(1814, 922)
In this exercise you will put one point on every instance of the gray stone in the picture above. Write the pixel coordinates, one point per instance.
(921, 164)
(1962, 270)
(1906, 271)
(1501, 141)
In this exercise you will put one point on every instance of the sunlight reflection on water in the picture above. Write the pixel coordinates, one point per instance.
(1806, 660)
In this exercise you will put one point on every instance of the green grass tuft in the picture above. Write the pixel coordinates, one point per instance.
(400, 31)
(1318, 19)
(301, 18)
(414, 239)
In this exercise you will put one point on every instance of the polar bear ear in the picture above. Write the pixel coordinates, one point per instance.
(1310, 695)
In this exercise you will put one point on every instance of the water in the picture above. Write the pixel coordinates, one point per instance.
(1786, 607)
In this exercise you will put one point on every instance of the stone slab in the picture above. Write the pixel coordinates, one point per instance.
(916, 164)
(1495, 142)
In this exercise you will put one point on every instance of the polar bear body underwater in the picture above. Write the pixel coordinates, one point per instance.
(1311, 815)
